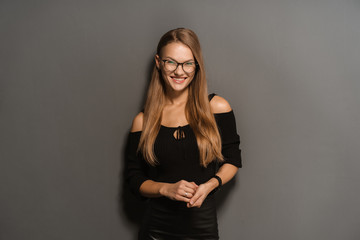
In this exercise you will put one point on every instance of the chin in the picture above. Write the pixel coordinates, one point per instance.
(178, 87)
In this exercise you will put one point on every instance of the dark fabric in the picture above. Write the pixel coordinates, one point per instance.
(178, 159)
(211, 96)
(167, 219)
(230, 140)
(136, 167)
(138, 171)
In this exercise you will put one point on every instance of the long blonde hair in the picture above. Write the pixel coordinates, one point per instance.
(197, 109)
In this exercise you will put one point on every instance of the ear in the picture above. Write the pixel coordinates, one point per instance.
(157, 61)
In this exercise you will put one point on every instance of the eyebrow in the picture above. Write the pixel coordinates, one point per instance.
(184, 61)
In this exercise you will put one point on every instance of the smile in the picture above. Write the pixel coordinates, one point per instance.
(178, 79)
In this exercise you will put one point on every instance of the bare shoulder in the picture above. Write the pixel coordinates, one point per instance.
(219, 105)
(137, 124)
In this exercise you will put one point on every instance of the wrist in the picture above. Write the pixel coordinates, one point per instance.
(212, 184)
(162, 189)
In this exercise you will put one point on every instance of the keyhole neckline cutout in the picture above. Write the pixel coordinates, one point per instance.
(177, 132)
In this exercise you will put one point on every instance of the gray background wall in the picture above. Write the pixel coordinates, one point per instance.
(73, 75)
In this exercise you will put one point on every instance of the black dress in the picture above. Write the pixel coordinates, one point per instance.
(179, 160)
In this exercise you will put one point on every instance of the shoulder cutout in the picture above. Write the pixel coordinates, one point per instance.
(219, 105)
(137, 124)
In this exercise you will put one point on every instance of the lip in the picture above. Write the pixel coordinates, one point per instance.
(178, 80)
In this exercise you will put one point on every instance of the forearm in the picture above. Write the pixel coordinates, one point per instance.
(152, 189)
(226, 173)
(179, 191)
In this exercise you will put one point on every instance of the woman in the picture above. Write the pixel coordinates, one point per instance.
(183, 146)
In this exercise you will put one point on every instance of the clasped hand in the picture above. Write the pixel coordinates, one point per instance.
(189, 192)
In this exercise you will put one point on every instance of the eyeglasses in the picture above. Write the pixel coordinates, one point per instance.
(171, 65)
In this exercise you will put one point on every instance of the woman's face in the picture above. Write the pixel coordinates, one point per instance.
(173, 53)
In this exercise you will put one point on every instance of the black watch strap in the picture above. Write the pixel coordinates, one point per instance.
(219, 180)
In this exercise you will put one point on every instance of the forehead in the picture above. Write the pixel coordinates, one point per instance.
(177, 51)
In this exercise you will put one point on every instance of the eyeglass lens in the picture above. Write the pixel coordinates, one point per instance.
(188, 67)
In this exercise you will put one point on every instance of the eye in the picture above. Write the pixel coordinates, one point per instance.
(189, 63)
(170, 62)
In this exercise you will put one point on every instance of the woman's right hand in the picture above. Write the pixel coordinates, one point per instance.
(179, 191)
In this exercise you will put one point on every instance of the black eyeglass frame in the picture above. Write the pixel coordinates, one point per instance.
(182, 65)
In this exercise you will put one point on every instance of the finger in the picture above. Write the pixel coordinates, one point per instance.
(198, 202)
(188, 195)
(179, 197)
(185, 191)
(180, 194)
(191, 185)
(189, 190)
(195, 198)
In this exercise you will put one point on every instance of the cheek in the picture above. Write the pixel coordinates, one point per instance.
(164, 75)
(192, 77)
(165, 78)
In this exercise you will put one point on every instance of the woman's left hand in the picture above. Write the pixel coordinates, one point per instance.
(226, 172)
(201, 193)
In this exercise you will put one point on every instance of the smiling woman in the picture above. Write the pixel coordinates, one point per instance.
(183, 146)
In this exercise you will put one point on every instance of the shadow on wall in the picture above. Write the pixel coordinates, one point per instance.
(131, 207)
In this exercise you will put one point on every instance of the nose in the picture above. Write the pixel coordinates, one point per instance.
(179, 70)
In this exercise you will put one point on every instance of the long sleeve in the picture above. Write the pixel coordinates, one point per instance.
(136, 167)
(229, 137)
